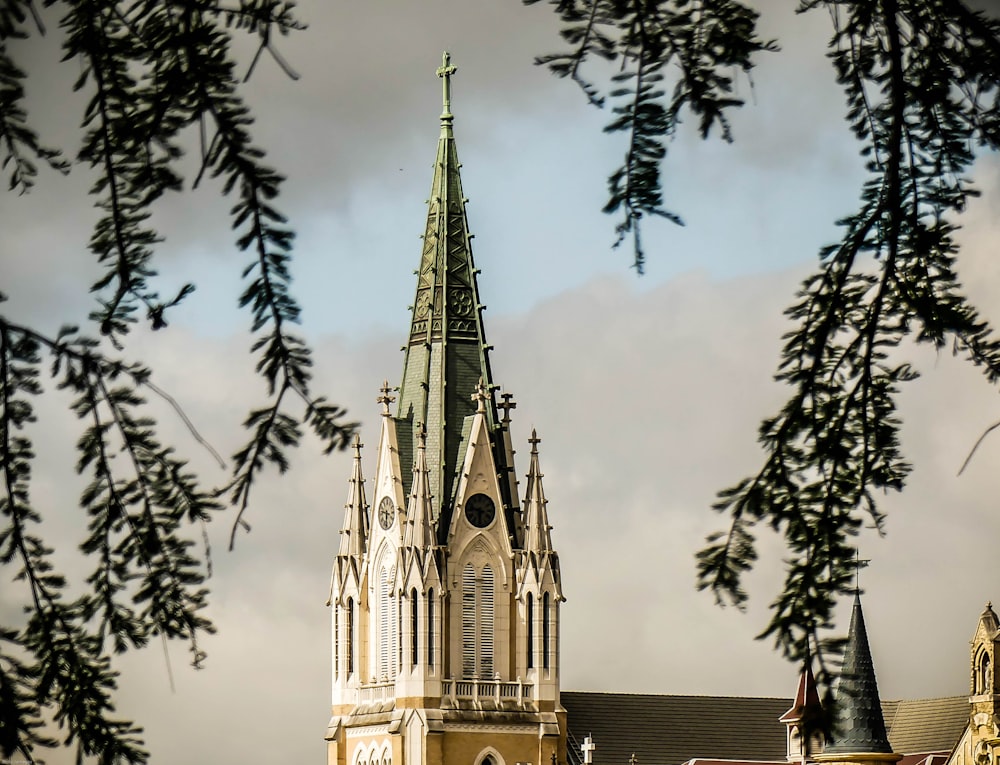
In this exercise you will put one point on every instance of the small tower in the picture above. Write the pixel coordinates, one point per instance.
(984, 691)
(446, 618)
(804, 721)
(858, 732)
(348, 583)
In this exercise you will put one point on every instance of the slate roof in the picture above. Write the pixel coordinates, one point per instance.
(926, 725)
(859, 724)
(670, 730)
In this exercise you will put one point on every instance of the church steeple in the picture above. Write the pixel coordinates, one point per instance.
(446, 626)
(446, 353)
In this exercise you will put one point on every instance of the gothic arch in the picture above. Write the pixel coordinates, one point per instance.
(489, 753)
(481, 551)
(983, 672)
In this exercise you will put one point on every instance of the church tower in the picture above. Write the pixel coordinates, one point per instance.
(980, 744)
(445, 591)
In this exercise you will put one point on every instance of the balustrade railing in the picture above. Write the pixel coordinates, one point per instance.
(496, 690)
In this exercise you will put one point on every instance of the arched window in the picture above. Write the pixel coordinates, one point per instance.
(350, 636)
(477, 622)
(430, 628)
(530, 617)
(546, 630)
(414, 603)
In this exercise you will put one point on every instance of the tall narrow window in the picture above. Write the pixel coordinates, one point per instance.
(388, 628)
(546, 619)
(350, 636)
(530, 616)
(383, 626)
(414, 603)
(430, 628)
(468, 621)
(486, 623)
(336, 639)
(477, 622)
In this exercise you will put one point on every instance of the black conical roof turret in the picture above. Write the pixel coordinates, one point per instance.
(858, 725)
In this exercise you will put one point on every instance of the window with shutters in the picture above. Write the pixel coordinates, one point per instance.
(546, 629)
(477, 622)
(530, 618)
(486, 623)
(388, 633)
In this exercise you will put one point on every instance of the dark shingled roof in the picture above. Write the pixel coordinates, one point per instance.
(858, 724)
(670, 730)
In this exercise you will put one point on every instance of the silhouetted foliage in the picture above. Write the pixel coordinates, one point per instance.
(922, 81)
(150, 71)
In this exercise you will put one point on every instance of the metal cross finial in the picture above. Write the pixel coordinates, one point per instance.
(859, 563)
(445, 71)
(506, 404)
(386, 398)
(587, 747)
(633, 760)
(482, 393)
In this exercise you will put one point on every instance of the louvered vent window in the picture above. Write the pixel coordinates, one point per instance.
(430, 628)
(546, 620)
(383, 624)
(477, 622)
(486, 623)
(388, 637)
(468, 621)
(530, 618)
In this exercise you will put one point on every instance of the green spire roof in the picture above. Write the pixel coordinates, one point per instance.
(858, 725)
(446, 354)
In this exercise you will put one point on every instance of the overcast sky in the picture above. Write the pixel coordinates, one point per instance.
(646, 392)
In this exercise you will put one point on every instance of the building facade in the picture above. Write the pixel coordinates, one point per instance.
(445, 590)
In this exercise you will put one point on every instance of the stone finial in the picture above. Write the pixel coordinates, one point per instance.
(534, 441)
(505, 404)
(386, 398)
(480, 396)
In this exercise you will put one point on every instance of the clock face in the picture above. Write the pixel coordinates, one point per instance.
(386, 513)
(480, 510)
